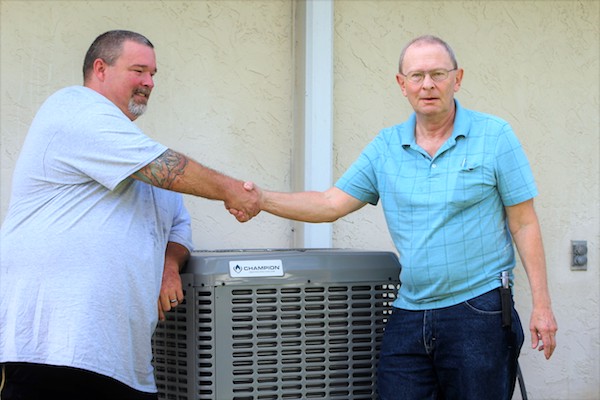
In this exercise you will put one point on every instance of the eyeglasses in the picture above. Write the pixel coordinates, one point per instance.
(437, 75)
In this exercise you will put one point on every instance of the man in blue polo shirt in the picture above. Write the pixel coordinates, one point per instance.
(456, 189)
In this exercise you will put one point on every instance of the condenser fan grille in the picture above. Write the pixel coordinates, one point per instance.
(302, 342)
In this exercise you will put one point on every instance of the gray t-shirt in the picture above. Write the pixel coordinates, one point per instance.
(82, 246)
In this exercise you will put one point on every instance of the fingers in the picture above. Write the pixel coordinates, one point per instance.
(161, 313)
(247, 203)
(165, 306)
(239, 215)
(173, 301)
(547, 344)
(535, 339)
(167, 302)
(543, 334)
(243, 218)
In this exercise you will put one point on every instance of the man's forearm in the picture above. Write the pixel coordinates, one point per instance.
(300, 206)
(174, 171)
(310, 206)
(176, 256)
(527, 235)
(531, 251)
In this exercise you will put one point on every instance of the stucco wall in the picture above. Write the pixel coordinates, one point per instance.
(224, 95)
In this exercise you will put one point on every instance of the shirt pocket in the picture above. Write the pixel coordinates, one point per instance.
(469, 186)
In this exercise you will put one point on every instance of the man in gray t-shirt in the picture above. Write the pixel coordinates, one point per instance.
(96, 234)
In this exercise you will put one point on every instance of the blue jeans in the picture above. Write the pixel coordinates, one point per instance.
(460, 352)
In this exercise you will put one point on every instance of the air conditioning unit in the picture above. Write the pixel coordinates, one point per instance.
(277, 324)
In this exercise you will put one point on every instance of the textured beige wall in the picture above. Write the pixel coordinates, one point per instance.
(535, 64)
(224, 96)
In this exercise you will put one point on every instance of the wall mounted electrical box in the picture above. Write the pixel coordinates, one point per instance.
(579, 252)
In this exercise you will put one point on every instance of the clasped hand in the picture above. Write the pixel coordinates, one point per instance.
(247, 204)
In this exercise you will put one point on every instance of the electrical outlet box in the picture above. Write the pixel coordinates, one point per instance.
(579, 255)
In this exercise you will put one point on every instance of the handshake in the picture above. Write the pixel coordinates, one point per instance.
(246, 203)
(308, 206)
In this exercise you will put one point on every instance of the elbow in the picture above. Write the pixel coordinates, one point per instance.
(314, 219)
(319, 216)
(332, 215)
(331, 219)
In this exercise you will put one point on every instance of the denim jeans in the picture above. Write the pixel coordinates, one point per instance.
(460, 352)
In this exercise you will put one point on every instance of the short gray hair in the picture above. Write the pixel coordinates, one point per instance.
(432, 40)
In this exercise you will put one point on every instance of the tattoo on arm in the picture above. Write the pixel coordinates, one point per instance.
(163, 171)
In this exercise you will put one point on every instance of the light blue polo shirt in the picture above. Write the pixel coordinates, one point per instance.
(446, 214)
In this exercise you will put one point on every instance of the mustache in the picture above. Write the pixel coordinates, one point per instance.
(144, 91)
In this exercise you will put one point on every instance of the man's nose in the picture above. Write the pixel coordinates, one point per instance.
(428, 81)
(148, 80)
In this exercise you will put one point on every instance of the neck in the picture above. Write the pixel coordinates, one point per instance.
(436, 125)
(431, 133)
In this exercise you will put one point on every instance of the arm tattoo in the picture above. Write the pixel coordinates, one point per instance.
(163, 170)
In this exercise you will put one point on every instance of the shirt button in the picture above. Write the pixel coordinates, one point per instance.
(433, 165)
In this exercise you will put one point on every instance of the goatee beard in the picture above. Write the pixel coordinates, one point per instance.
(136, 109)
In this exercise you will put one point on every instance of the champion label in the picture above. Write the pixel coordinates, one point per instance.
(255, 268)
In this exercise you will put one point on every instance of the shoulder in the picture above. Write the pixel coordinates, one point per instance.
(80, 102)
(74, 93)
(399, 134)
(478, 118)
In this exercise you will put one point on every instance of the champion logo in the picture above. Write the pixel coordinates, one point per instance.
(255, 268)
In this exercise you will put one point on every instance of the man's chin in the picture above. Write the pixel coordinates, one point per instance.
(137, 110)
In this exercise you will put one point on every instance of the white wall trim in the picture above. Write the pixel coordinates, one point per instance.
(318, 113)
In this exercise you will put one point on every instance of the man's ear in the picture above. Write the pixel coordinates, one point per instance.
(401, 82)
(458, 80)
(99, 68)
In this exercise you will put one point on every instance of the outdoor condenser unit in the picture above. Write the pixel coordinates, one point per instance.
(277, 324)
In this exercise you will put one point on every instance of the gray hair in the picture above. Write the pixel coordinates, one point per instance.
(108, 47)
(431, 40)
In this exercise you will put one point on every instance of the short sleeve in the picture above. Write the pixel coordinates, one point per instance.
(516, 183)
(360, 180)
